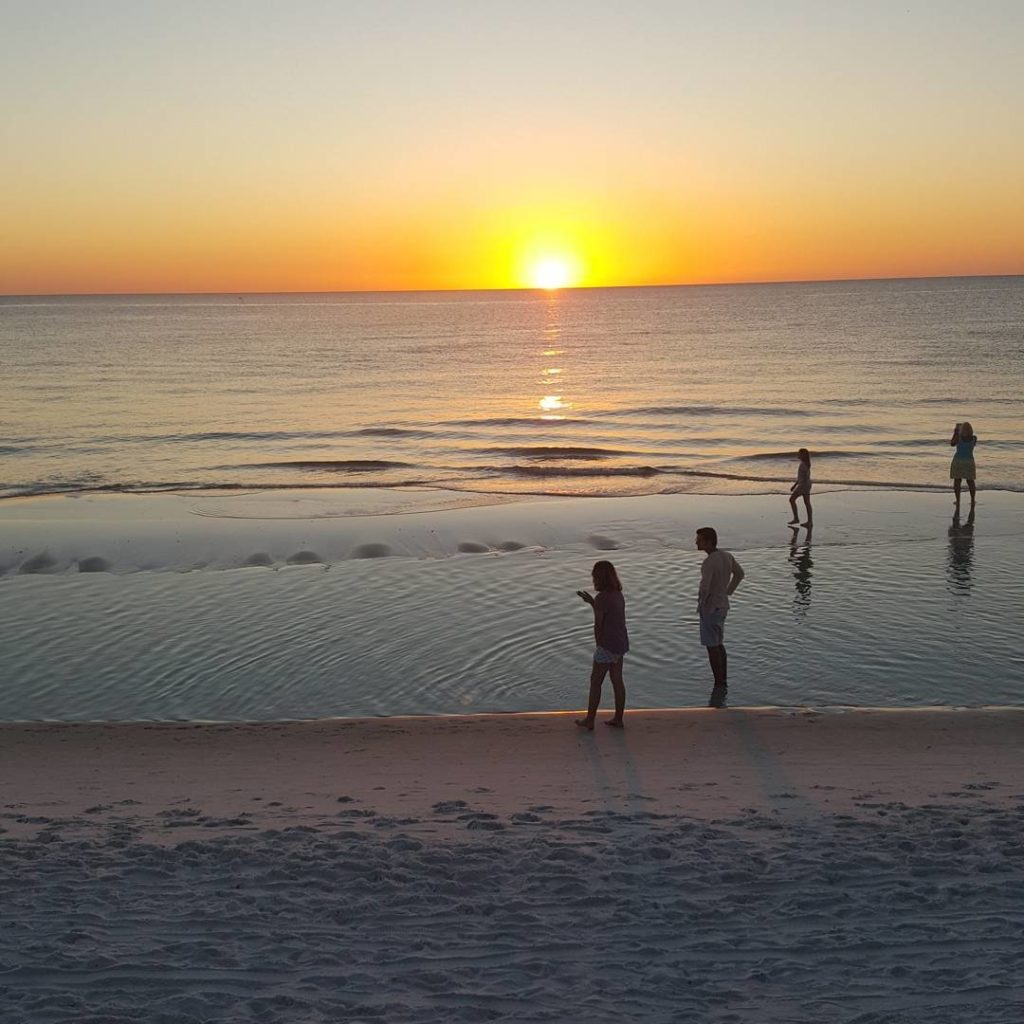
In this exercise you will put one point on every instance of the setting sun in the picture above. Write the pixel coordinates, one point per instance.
(551, 274)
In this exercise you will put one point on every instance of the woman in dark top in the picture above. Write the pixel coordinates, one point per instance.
(962, 466)
(611, 639)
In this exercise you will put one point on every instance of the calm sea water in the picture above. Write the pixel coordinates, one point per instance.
(619, 391)
(303, 414)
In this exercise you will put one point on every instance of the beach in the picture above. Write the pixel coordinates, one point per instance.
(754, 864)
(292, 652)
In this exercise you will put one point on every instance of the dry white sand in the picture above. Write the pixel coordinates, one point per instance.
(760, 865)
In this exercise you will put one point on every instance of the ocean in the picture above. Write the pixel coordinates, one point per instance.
(302, 506)
(582, 392)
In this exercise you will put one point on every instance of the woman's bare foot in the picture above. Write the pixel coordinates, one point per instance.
(793, 522)
(615, 723)
(808, 524)
(585, 723)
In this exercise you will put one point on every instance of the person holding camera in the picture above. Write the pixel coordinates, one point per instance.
(962, 467)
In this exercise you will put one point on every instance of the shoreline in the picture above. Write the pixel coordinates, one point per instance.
(818, 708)
(504, 763)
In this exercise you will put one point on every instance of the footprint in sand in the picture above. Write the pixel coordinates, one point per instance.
(94, 564)
(304, 558)
(449, 806)
(42, 562)
(372, 551)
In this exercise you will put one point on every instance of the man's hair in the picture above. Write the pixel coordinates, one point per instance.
(710, 534)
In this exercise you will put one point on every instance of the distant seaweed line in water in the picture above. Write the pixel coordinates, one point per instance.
(22, 445)
(332, 465)
(709, 410)
(516, 421)
(254, 435)
(542, 451)
(169, 487)
(791, 454)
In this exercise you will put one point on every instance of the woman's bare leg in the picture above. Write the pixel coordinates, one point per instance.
(792, 505)
(807, 502)
(970, 487)
(619, 689)
(956, 490)
(597, 674)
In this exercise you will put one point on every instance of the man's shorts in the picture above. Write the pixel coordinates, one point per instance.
(712, 627)
(603, 657)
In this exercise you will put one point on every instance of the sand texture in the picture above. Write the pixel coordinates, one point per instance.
(762, 865)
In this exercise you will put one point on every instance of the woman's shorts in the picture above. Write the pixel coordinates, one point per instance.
(962, 469)
(603, 657)
(712, 628)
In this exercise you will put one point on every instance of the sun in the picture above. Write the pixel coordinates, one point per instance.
(551, 273)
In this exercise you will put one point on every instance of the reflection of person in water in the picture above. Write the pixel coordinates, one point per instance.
(803, 564)
(961, 553)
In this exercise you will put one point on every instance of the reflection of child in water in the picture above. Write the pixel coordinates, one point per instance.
(802, 487)
(611, 639)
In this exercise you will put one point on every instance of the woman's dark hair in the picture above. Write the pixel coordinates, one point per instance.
(605, 576)
(805, 457)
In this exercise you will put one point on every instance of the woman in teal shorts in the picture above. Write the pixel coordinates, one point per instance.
(962, 466)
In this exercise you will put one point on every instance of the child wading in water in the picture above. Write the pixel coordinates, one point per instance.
(612, 642)
(802, 487)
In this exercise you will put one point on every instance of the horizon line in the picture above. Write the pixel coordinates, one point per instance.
(513, 288)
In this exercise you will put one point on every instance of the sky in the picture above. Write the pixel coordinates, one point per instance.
(151, 146)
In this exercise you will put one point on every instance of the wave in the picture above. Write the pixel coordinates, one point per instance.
(387, 432)
(576, 471)
(710, 410)
(541, 452)
(960, 401)
(189, 486)
(262, 435)
(224, 435)
(515, 421)
(791, 455)
(478, 486)
(334, 465)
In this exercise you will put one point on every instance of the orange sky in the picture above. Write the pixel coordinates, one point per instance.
(347, 151)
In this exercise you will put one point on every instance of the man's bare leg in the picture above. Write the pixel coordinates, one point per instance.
(719, 663)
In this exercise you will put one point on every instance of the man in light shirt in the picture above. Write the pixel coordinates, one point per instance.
(720, 575)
